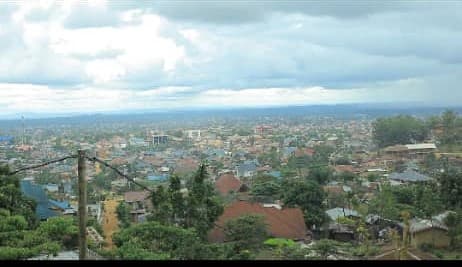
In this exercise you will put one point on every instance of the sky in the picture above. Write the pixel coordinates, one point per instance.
(97, 56)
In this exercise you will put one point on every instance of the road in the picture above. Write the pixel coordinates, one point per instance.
(110, 222)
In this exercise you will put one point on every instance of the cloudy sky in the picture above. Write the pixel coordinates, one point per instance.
(94, 56)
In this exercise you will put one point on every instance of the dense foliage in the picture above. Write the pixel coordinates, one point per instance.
(199, 208)
(399, 130)
(308, 195)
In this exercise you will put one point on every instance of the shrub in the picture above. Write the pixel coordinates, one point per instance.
(439, 255)
(426, 247)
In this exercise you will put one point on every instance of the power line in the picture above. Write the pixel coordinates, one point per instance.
(95, 159)
(42, 164)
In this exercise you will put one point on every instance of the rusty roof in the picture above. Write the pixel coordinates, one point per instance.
(226, 183)
(283, 223)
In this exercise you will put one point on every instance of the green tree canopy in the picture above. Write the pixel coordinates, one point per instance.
(246, 232)
(152, 240)
(399, 130)
(451, 188)
(13, 200)
(308, 195)
(198, 208)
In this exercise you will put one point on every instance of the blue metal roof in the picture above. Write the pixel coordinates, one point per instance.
(276, 174)
(246, 167)
(6, 139)
(37, 193)
(60, 204)
(161, 177)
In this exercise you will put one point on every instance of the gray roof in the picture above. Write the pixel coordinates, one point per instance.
(409, 176)
(245, 167)
(422, 225)
(417, 225)
(336, 213)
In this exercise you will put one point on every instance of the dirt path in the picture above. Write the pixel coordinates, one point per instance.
(110, 222)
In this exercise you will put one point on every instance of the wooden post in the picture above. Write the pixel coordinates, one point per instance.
(81, 168)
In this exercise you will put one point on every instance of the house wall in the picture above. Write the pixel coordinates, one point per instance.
(440, 238)
(343, 237)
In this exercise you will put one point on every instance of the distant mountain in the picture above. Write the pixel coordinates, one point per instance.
(339, 111)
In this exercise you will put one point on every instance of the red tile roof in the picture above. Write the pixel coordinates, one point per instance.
(283, 223)
(226, 183)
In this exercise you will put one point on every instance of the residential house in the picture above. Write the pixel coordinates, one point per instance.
(227, 183)
(158, 177)
(337, 230)
(139, 203)
(246, 169)
(413, 151)
(282, 222)
(46, 208)
(409, 176)
(419, 151)
(425, 231)
(336, 213)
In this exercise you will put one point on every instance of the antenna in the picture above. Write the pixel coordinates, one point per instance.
(23, 131)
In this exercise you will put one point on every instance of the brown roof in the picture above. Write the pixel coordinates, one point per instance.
(333, 189)
(396, 148)
(283, 223)
(304, 152)
(134, 196)
(344, 168)
(118, 161)
(226, 183)
(186, 165)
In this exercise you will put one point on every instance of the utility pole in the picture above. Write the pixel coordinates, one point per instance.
(81, 168)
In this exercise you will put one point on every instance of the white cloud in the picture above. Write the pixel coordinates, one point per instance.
(89, 55)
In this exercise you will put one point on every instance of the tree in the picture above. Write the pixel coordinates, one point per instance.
(177, 200)
(454, 223)
(451, 189)
(449, 123)
(123, 214)
(280, 245)
(384, 204)
(322, 154)
(308, 195)
(321, 175)
(347, 176)
(203, 205)
(246, 232)
(325, 247)
(399, 130)
(271, 158)
(60, 229)
(266, 190)
(17, 242)
(12, 199)
(152, 240)
(198, 208)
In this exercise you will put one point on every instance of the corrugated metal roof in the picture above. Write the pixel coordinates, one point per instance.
(420, 146)
(409, 176)
(37, 193)
(336, 213)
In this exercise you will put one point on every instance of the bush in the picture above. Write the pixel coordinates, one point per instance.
(439, 255)
(426, 247)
